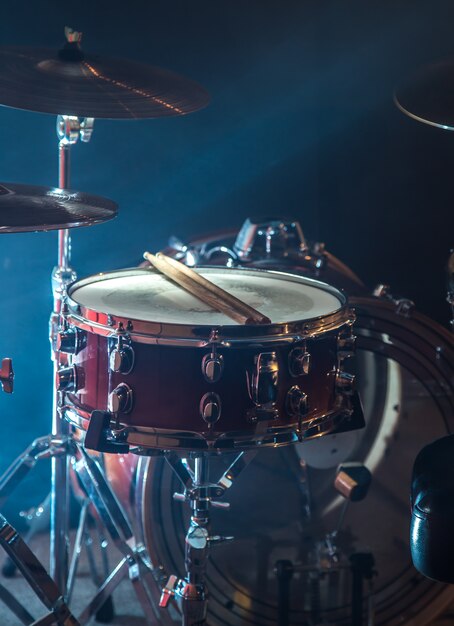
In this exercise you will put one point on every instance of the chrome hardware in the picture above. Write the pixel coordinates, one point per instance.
(318, 256)
(71, 340)
(216, 504)
(189, 255)
(121, 358)
(210, 408)
(345, 382)
(346, 344)
(121, 399)
(404, 306)
(296, 402)
(299, 362)
(212, 367)
(168, 591)
(70, 128)
(381, 291)
(220, 255)
(86, 129)
(257, 239)
(67, 379)
(264, 379)
(7, 375)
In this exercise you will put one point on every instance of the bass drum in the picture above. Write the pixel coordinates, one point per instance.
(284, 503)
(409, 402)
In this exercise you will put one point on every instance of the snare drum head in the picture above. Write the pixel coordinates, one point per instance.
(143, 294)
(406, 379)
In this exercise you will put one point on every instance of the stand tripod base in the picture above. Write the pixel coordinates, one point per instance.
(38, 579)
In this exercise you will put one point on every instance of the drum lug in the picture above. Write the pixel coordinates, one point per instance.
(346, 344)
(299, 362)
(263, 387)
(212, 367)
(345, 383)
(296, 402)
(264, 380)
(67, 379)
(121, 357)
(210, 408)
(71, 340)
(121, 399)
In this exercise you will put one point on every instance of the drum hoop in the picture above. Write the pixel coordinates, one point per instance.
(160, 438)
(142, 331)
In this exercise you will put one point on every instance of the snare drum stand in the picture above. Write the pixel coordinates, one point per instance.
(190, 593)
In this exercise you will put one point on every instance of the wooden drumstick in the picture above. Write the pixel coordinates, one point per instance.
(205, 290)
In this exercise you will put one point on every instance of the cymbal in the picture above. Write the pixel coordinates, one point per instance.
(27, 208)
(70, 82)
(428, 95)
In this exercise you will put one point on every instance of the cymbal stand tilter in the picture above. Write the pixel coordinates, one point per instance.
(352, 482)
(190, 593)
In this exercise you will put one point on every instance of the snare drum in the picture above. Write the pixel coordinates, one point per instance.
(170, 373)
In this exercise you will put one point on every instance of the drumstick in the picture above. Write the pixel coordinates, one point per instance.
(205, 290)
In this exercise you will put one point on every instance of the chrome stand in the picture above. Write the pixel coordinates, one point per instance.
(105, 509)
(190, 593)
(61, 447)
(69, 129)
(38, 579)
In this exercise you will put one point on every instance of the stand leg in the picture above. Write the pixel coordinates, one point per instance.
(284, 573)
(36, 576)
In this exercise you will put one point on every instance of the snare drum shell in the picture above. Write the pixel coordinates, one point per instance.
(258, 396)
(168, 384)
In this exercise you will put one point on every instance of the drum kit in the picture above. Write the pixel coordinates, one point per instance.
(157, 393)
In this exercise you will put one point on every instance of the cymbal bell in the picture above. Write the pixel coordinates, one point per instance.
(27, 208)
(428, 95)
(70, 82)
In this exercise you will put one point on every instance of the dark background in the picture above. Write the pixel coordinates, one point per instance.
(301, 123)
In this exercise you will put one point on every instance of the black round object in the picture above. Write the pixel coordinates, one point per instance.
(39, 79)
(27, 208)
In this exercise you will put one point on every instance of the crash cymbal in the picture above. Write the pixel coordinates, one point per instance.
(26, 208)
(428, 95)
(70, 82)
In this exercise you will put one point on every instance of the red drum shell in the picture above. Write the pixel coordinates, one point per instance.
(167, 383)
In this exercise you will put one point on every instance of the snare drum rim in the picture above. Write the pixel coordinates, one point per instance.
(143, 331)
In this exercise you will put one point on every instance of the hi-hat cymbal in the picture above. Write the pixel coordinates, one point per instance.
(428, 95)
(26, 208)
(70, 82)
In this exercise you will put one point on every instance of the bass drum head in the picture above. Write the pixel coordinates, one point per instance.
(406, 377)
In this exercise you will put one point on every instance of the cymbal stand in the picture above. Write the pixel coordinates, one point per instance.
(69, 129)
(190, 592)
(38, 579)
